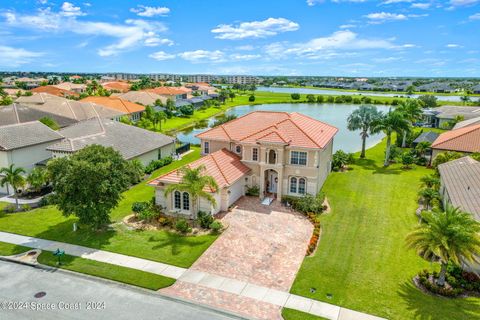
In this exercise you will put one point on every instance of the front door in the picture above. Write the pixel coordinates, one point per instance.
(272, 181)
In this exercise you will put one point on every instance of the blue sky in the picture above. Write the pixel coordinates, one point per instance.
(287, 37)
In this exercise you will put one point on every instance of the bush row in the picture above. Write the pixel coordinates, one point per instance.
(157, 164)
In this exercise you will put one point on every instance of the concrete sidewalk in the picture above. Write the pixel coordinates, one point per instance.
(194, 277)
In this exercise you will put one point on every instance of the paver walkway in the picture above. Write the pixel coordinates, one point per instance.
(230, 291)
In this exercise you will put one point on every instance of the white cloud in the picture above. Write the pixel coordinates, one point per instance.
(395, 1)
(381, 17)
(145, 11)
(408, 45)
(463, 3)
(156, 41)
(244, 57)
(475, 16)
(255, 29)
(453, 45)
(162, 55)
(247, 47)
(14, 57)
(347, 26)
(69, 10)
(314, 2)
(130, 34)
(420, 5)
(387, 59)
(202, 56)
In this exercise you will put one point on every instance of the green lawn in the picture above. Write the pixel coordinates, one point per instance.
(362, 259)
(108, 271)
(8, 249)
(298, 315)
(162, 246)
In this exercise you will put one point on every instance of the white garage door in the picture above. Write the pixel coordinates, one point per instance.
(236, 191)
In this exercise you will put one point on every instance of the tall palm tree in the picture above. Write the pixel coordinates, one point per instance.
(450, 235)
(393, 121)
(158, 117)
(412, 111)
(362, 119)
(194, 181)
(14, 177)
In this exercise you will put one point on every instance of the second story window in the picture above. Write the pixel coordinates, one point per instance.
(206, 147)
(255, 154)
(298, 158)
(238, 149)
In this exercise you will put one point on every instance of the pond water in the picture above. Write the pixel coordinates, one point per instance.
(333, 114)
(338, 92)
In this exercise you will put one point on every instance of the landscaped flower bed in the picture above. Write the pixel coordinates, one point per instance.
(458, 282)
(312, 245)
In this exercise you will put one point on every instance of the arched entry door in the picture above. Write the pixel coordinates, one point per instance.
(271, 181)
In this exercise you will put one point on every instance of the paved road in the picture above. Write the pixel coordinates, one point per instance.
(19, 283)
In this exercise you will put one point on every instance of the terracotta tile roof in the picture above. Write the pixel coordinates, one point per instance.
(117, 85)
(224, 166)
(169, 91)
(115, 103)
(466, 139)
(294, 129)
(54, 91)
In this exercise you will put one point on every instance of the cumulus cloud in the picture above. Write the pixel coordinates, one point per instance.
(70, 10)
(14, 57)
(131, 33)
(475, 16)
(381, 17)
(255, 29)
(154, 41)
(146, 11)
(202, 56)
(347, 26)
(421, 5)
(162, 55)
(453, 45)
(463, 3)
(244, 57)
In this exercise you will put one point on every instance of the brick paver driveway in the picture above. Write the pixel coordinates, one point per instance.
(262, 245)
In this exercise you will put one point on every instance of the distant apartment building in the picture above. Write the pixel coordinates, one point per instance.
(243, 79)
(206, 78)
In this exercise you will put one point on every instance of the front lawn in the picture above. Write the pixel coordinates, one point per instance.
(8, 249)
(362, 259)
(108, 271)
(162, 246)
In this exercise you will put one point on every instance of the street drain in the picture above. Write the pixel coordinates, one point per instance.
(40, 294)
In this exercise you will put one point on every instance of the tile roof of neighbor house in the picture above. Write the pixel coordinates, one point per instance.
(461, 178)
(294, 129)
(466, 123)
(22, 135)
(117, 85)
(143, 97)
(223, 165)
(450, 112)
(70, 86)
(130, 141)
(169, 91)
(66, 108)
(116, 103)
(466, 139)
(19, 113)
(54, 91)
(428, 136)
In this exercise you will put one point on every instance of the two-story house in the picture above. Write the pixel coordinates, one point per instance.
(281, 153)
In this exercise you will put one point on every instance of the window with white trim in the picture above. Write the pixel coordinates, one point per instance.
(298, 186)
(206, 147)
(293, 185)
(301, 185)
(186, 201)
(255, 154)
(238, 149)
(177, 200)
(298, 158)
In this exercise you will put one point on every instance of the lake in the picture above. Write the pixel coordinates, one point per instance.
(338, 92)
(333, 114)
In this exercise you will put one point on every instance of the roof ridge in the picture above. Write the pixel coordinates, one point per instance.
(273, 132)
(14, 107)
(219, 168)
(472, 128)
(71, 109)
(256, 132)
(306, 134)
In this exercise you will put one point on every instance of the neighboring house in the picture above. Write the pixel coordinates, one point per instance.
(119, 86)
(142, 97)
(132, 142)
(442, 116)
(53, 90)
(466, 123)
(133, 110)
(280, 153)
(24, 145)
(229, 173)
(20, 113)
(74, 87)
(429, 137)
(476, 89)
(173, 93)
(63, 108)
(464, 140)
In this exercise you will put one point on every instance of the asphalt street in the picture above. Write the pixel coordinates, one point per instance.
(63, 295)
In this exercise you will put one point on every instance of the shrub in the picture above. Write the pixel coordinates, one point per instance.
(157, 164)
(330, 99)
(216, 226)
(148, 214)
(138, 207)
(320, 99)
(182, 226)
(295, 96)
(26, 207)
(310, 98)
(253, 191)
(204, 219)
(341, 159)
(306, 204)
(47, 200)
(407, 159)
(11, 208)
(251, 98)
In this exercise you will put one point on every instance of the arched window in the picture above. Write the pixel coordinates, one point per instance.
(177, 201)
(272, 157)
(293, 185)
(301, 185)
(186, 201)
(238, 149)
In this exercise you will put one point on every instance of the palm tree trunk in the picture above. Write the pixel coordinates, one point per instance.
(15, 195)
(404, 140)
(364, 142)
(387, 152)
(441, 275)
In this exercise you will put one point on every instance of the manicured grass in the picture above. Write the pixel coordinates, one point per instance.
(362, 258)
(8, 249)
(49, 223)
(298, 315)
(108, 271)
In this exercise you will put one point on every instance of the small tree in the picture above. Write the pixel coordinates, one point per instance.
(89, 184)
(231, 95)
(428, 195)
(407, 159)
(310, 98)
(446, 157)
(428, 101)
(295, 96)
(431, 181)
(14, 177)
(37, 178)
(251, 98)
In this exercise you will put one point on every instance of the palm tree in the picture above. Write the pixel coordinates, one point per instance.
(194, 181)
(412, 111)
(393, 121)
(12, 176)
(465, 99)
(450, 235)
(430, 181)
(428, 195)
(37, 178)
(362, 119)
(422, 147)
(158, 117)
